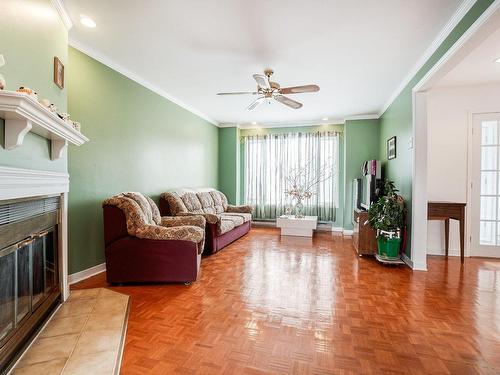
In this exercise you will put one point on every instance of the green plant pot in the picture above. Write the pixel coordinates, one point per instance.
(388, 247)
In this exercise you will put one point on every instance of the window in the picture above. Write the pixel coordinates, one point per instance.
(489, 212)
(270, 158)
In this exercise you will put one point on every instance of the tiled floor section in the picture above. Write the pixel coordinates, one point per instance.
(85, 336)
(281, 305)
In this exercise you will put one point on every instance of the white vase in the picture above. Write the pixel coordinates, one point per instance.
(2, 82)
(299, 208)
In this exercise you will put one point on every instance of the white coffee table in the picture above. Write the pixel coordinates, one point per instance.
(291, 226)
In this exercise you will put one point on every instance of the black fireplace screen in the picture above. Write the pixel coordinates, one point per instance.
(29, 273)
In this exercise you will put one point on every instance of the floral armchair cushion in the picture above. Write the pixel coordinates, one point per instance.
(144, 220)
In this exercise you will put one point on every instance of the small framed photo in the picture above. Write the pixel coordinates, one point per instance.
(391, 148)
(58, 73)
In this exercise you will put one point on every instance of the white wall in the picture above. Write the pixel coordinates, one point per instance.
(449, 112)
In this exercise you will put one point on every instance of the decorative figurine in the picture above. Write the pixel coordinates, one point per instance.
(45, 103)
(77, 126)
(28, 91)
(52, 108)
(65, 117)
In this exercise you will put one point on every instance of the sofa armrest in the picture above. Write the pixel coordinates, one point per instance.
(177, 221)
(240, 209)
(210, 218)
(182, 233)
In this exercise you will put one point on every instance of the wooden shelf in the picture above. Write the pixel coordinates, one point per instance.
(23, 114)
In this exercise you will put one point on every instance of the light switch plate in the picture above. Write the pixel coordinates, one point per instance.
(410, 143)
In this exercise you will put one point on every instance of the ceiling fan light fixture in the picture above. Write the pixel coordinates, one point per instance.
(270, 91)
(254, 123)
(324, 119)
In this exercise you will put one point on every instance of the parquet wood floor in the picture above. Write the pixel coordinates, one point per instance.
(271, 305)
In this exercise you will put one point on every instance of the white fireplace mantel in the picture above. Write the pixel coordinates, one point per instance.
(23, 183)
(23, 114)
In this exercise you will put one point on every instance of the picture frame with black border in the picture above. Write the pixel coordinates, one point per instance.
(391, 148)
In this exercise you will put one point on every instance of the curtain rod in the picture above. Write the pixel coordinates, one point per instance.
(327, 132)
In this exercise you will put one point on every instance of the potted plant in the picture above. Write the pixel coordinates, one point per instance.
(387, 217)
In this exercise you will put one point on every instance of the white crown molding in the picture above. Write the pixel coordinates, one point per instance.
(455, 48)
(374, 116)
(443, 34)
(63, 13)
(136, 78)
(85, 274)
(22, 183)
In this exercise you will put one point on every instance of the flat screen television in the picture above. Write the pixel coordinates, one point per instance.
(371, 176)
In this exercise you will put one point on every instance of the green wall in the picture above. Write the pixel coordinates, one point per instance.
(361, 144)
(397, 119)
(31, 34)
(229, 163)
(139, 141)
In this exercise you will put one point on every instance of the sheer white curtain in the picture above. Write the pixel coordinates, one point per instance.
(270, 158)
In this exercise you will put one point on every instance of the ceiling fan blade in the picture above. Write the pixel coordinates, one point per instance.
(299, 89)
(288, 102)
(238, 93)
(262, 81)
(255, 103)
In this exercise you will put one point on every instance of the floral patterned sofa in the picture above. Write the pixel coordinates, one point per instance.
(225, 223)
(142, 246)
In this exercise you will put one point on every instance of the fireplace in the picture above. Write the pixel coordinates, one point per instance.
(30, 285)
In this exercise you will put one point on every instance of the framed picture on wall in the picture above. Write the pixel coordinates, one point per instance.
(391, 148)
(58, 73)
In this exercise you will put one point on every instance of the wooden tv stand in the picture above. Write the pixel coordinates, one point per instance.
(364, 237)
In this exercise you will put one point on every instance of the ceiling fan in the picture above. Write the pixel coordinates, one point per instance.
(271, 90)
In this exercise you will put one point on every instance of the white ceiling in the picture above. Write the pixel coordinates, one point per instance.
(478, 67)
(357, 51)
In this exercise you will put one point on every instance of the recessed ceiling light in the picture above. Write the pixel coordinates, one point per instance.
(325, 119)
(87, 21)
(497, 60)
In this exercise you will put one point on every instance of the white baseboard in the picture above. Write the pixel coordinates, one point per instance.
(324, 228)
(419, 266)
(320, 227)
(451, 252)
(85, 274)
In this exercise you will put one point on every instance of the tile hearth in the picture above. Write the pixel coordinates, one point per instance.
(86, 335)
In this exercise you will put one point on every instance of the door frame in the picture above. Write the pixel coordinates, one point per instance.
(474, 36)
(470, 166)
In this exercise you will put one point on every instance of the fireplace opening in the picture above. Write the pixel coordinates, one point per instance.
(29, 271)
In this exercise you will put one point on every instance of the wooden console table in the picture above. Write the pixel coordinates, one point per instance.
(446, 211)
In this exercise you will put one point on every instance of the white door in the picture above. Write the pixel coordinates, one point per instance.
(485, 188)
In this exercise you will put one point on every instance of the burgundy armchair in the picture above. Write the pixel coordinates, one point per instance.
(225, 223)
(142, 246)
